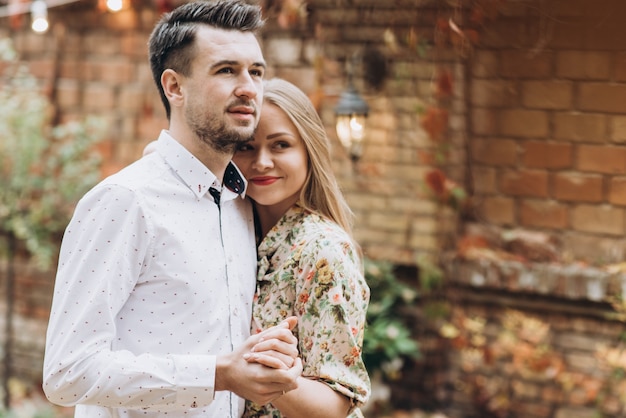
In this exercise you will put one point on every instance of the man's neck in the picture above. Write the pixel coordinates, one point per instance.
(214, 160)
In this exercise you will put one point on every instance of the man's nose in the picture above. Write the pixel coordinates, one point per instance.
(247, 87)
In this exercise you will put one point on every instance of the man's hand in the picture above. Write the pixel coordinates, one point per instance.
(254, 380)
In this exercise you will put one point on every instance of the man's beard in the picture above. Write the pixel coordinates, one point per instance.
(222, 139)
(216, 134)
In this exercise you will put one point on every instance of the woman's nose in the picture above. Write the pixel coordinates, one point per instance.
(263, 160)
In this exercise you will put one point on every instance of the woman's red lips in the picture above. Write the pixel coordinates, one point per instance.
(263, 180)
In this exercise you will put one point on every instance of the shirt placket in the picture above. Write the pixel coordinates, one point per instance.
(232, 285)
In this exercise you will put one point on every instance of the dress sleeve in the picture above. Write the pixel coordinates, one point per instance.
(331, 303)
(101, 258)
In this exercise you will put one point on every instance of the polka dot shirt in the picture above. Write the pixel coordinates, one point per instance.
(155, 278)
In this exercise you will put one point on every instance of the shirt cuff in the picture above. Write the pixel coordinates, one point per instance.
(195, 380)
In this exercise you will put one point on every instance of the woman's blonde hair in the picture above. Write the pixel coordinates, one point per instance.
(321, 192)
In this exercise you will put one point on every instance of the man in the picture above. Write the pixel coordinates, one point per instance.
(152, 303)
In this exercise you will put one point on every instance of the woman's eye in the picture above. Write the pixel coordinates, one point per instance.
(244, 147)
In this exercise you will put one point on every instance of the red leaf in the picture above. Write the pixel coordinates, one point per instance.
(436, 179)
(435, 122)
(444, 84)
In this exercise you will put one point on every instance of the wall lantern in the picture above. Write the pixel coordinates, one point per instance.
(351, 111)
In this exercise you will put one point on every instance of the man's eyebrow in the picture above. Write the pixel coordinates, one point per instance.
(260, 64)
(237, 63)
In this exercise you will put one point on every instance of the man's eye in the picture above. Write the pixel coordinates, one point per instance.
(257, 73)
(226, 70)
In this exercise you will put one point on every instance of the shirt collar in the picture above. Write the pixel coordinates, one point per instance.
(195, 174)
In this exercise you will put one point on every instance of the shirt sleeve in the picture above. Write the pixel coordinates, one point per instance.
(331, 306)
(101, 259)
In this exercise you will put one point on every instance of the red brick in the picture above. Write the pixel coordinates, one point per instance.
(620, 66)
(602, 97)
(98, 97)
(544, 214)
(484, 121)
(494, 93)
(600, 219)
(485, 64)
(541, 154)
(583, 65)
(70, 68)
(68, 93)
(618, 129)
(41, 68)
(617, 191)
(577, 126)
(497, 210)
(484, 180)
(548, 94)
(602, 159)
(524, 123)
(117, 72)
(576, 187)
(494, 152)
(520, 64)
(105, 149)
(532, 183)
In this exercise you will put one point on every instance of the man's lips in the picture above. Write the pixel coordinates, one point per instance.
(263, 180)
(242, 112)
(246, 110)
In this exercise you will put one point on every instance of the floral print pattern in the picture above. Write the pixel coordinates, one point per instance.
(309, 267)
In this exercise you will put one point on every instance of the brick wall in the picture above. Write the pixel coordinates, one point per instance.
(538, 106)
(396, 220)
(546, 133)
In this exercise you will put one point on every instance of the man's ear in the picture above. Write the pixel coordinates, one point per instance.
(171, 82)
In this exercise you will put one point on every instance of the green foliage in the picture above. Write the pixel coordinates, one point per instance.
(44, 169)
(38, 413)
(388, 340)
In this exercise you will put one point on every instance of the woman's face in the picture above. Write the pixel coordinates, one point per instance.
(275, 162)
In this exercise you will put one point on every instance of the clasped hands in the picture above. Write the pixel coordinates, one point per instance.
(276, 348)
(265, 367)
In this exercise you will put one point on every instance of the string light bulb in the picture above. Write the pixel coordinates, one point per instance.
(115, 5)
(39, 16)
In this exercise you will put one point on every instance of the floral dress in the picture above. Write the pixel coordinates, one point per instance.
(309, 267)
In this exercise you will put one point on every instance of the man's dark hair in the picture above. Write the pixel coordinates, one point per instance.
(172, 40)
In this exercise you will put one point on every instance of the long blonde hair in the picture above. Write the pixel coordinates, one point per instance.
(321, 192)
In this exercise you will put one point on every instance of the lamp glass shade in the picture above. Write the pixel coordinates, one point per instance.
(343, 130)
(350, 130)
(351, 111)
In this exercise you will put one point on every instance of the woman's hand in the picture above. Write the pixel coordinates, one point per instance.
(275, 348)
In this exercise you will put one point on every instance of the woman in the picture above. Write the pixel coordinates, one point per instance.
(309, 265)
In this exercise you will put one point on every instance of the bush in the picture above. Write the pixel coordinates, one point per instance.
(388, 340)
(44, 169)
